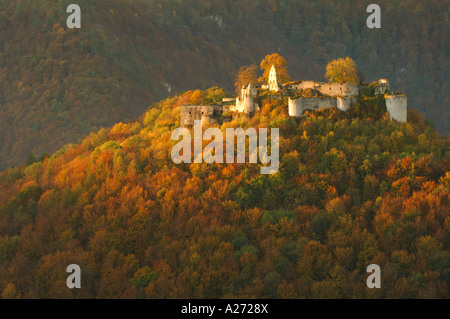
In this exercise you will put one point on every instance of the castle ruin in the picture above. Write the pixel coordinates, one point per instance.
(396, 106)
(208, 114)
(324, 95)
(245, 103)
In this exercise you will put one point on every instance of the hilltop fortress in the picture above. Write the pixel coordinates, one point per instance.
(320, 96)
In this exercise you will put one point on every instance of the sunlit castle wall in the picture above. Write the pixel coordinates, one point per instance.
(397, 107)
(297, 107)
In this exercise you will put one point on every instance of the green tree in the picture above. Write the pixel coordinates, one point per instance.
(214, 95)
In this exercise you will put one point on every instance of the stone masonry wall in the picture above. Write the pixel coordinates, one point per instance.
(208, 114)
(397, 108)
(297, 107)
(330, 89)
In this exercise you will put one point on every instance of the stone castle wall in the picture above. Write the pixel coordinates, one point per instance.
(330, 89)
(208, 114)
(344, 103)
(397, 108)
(297, 107)
(245, 103)
(381, 89)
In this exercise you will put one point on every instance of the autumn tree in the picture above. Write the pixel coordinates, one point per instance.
(342, 71)
(214, 95)
(246, 74)
(280, 65)
(10, 292)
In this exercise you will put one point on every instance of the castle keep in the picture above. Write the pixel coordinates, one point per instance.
(321, 96)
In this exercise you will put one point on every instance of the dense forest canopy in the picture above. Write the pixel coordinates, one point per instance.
(353, 189)
(57, 84)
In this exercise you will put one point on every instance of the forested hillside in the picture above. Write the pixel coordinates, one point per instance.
(353, 189)
(58, 84)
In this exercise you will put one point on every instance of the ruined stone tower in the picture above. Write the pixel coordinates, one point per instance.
(245, 103)
(273, 80)
(396, 106)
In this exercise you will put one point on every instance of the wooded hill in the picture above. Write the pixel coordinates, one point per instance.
(353, 189)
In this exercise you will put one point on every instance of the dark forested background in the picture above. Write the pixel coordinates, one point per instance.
(57, 84)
